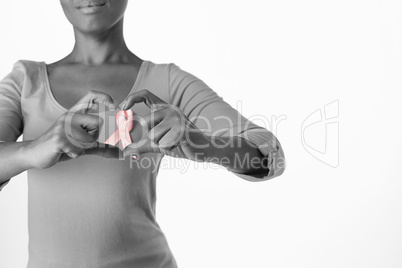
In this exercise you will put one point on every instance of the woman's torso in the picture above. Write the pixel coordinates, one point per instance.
(92, 211)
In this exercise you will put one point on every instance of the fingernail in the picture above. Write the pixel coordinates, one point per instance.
(123, 106)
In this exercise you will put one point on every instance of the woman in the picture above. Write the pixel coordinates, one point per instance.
(98, 209)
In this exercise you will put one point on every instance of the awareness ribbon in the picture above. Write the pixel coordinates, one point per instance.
(124, 120)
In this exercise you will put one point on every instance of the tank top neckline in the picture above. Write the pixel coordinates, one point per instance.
(45, 77)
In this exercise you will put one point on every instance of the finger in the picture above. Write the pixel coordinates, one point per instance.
(156, 133)
(80, 137)
(154, 118)
(171, 139)
(88, 122)
(72, 150)
(82, 128)
(150, 99)
(144, 146)
(92, 98)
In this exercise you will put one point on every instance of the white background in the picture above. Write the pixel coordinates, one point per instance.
(279, 58)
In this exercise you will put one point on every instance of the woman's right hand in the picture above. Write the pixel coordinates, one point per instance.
(73, 134)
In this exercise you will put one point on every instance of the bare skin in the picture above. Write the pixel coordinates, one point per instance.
(70, 81)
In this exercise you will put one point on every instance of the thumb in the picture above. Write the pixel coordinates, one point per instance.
(141, 147)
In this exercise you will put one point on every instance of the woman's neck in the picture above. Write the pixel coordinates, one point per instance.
(100, 48)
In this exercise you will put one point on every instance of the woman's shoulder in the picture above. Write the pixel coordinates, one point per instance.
(27, 66)
(28, 62)
(160, 66)
(25, 72)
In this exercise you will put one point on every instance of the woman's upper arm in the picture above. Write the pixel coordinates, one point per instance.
(210, 113)
(11, 121)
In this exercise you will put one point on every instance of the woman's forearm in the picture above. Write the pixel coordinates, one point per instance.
(13, 159)
(233, 152)
(238, 155)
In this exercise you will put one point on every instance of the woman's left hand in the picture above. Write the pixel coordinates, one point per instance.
(166, 129)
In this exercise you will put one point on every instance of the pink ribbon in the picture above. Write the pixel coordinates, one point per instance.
(124, 120)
